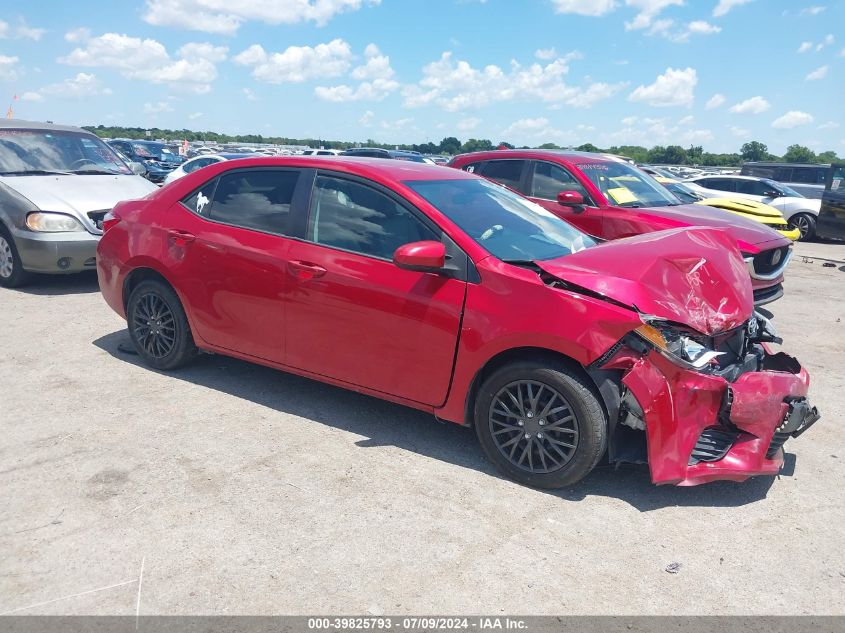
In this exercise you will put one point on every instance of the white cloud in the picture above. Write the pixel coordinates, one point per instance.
(32, 96)
(468, 124)
(376, 76)
(82, 86)
(754, 105)
(805, 46)
(739, 132)
(225, 16)
(78, 35)
(675, 87)
(716, 101)
(148, 60)
(195, 115)
(792, 119)
(827, 41)
(592, 8)
(812, 10)
(456, 85)
(830, 125)
(725, 6)
(703, 28)
(21, 31)
(686, 120)
(367, 118)
(8, 67)
(158, 107)
(546, 53)
(818, 73)
(692, 137)
(648, 11)
(249, 94)
(297, 63)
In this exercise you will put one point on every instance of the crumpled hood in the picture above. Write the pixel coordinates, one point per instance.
(80, 194)
(692, 276)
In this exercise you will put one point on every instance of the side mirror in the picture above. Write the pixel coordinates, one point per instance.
(425, 257)
(771, 194)
(571, 199)
(139, 169)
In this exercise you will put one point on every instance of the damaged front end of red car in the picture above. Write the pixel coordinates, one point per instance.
(696, 390)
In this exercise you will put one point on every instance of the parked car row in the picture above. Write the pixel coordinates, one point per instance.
(566, 305)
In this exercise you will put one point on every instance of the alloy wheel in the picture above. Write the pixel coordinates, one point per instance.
(802, 224)
(7, 261)
(533, 426)
(154, 325)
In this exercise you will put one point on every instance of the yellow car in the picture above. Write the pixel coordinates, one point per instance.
(763, 213)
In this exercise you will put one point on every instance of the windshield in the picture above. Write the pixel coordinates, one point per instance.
(783, 189)
(683, 193)
(154, 151)
(507, 225)
(626, 186)
(25, 152)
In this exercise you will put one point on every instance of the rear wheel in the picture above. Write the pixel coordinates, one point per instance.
(159, 327)
(12, 274)
(540, 424)
(806, 224)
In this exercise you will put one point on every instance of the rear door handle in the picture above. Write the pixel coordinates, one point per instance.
(180, 238)
(305, 270)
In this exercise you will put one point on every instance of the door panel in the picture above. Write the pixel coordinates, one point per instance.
(359, 318)
(547, 181)
(235, 277)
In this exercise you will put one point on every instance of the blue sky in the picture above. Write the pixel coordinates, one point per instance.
(710, 72)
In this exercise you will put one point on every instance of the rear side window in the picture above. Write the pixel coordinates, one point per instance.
(721, 184)
(549, 180)
(507, 172)
(252, 199)
(809, 175)
(473, 168)
(355, 217)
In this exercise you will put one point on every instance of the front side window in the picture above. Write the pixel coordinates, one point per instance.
(25, 152)
(506, 172)
(837, 183)
(354, 217)
(251, 199)
(507, 225)
(626, 186)
(549, 180)
(753, 187)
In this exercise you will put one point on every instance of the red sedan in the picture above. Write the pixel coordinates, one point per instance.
(442, 291)
(610, 199)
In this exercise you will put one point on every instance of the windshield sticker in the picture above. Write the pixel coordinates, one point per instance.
(201, 202)
(594, 166)
(622, 195)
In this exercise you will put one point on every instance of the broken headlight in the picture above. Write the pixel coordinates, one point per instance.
(676, 345)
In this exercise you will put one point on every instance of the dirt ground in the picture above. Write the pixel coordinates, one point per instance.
(228, 488)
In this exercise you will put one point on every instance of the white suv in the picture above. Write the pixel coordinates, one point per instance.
(800, 212)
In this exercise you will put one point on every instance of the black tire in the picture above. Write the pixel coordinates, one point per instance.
(17, 277)
(805, 223)
(589, 424)
(158, 326)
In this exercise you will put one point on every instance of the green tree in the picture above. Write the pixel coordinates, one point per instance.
(587, 147)
(505, 144)
(477, 145)
(799, 154)
(676, 155)
(549, 146)
(827, 157)
(450, 145)
(755, 150)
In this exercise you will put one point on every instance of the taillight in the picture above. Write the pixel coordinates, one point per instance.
(109, 220)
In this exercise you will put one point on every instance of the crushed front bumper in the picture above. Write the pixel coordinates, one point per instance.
(701, 428)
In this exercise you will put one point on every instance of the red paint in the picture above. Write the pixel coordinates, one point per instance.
(610, 222)
(420, 338)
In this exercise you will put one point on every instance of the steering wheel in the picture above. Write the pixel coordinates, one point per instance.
(496, 228)
(82, 162)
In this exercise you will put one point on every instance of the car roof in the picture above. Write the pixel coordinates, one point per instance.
(374, 168)
(567, 155)
(764, 163)
(734, 176)
(20, 124)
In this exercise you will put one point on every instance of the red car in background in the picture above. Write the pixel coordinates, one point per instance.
(610, 199)
(442, 291)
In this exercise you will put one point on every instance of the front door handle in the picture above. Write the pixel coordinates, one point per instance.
(305, 270)
(180, 238)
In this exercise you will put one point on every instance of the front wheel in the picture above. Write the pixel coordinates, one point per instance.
(159, 327)
(12, 274)
(540, 424)
(806, 225)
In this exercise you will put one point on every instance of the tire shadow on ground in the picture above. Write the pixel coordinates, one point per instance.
(387, 424)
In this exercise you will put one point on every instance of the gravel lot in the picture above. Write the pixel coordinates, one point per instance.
(228, 488)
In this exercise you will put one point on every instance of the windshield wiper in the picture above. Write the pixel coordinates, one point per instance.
(97, 172)
(524, 263)
(36, 172)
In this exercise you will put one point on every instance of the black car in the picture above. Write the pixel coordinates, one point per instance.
(377, 152)
(831, 222)
(156, 157)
